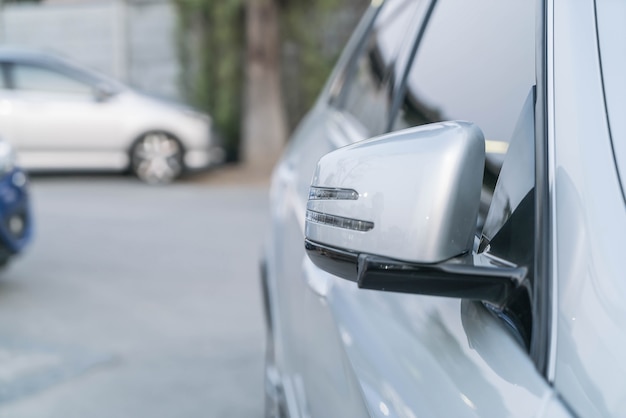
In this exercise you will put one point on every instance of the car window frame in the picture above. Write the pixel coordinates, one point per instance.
(341, 86)
(337, 85)
(544, 309)
(400, 88)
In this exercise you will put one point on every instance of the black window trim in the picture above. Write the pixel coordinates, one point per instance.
(542, 290)
(338, 90)
(400, 90)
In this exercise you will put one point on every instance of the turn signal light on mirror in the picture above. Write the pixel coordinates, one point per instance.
(339, 221)
(329, 193)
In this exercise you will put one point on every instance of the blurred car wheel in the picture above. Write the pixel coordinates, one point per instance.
(157, 158)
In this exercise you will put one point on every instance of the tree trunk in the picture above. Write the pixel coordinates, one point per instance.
(264, 124)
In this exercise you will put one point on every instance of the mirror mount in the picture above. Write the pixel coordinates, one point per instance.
(103, 92)
(465, 277)
(456, 279)
(341, 263)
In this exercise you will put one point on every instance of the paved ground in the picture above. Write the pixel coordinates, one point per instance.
(137, 301)
(232, 176)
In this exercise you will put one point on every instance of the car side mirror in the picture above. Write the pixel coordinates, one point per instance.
(398, 212)
(103, 92)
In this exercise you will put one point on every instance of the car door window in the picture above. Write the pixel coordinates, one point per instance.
(476, 62)
(481, 71)
(378, 65)
(33, 78)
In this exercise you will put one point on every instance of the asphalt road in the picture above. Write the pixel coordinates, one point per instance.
(135, 301)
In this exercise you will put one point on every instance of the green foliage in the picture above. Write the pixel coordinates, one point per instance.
(313, 33)
(212, 52)
(211, 45)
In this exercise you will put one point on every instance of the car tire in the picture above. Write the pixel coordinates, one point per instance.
(157, 158)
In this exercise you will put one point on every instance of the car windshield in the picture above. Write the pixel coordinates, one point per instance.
(612, 32)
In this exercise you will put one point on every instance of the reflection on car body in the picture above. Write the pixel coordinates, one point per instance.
(60, 116)
(497, 299)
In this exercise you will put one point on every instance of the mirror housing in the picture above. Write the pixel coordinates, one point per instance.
(103, 92)
(398, 212)
(416, 193)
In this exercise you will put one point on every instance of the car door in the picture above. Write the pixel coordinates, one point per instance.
(297, 318)
(588, 205)
(402, 355)
(57, 117)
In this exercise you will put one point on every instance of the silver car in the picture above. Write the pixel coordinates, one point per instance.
(448, 223)
(61, 116)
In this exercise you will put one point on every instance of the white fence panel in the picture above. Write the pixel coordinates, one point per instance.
(133, 41)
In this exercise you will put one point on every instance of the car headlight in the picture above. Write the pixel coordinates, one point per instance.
(7, 157)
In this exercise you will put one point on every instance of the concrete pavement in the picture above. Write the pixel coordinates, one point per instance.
(137, 301)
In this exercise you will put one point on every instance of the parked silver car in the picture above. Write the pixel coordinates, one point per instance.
(467, 260)
(61, 116)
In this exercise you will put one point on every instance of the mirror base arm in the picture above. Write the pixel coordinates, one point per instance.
(456, 278)
(448, 279)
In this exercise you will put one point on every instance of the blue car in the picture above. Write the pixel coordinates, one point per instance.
(15, 214)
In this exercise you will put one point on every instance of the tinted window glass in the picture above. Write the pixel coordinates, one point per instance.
(368, 93)
(33, 78)
(476, 63)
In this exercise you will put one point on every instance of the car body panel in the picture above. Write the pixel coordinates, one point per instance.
(590, 222)
(611, 30)
(53, 130)
(402, 346)
(289, 188)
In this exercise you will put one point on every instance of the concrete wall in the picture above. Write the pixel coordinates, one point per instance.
(133, 41)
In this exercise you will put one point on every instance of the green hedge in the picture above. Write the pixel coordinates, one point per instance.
(211, 48)
(212, 52)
